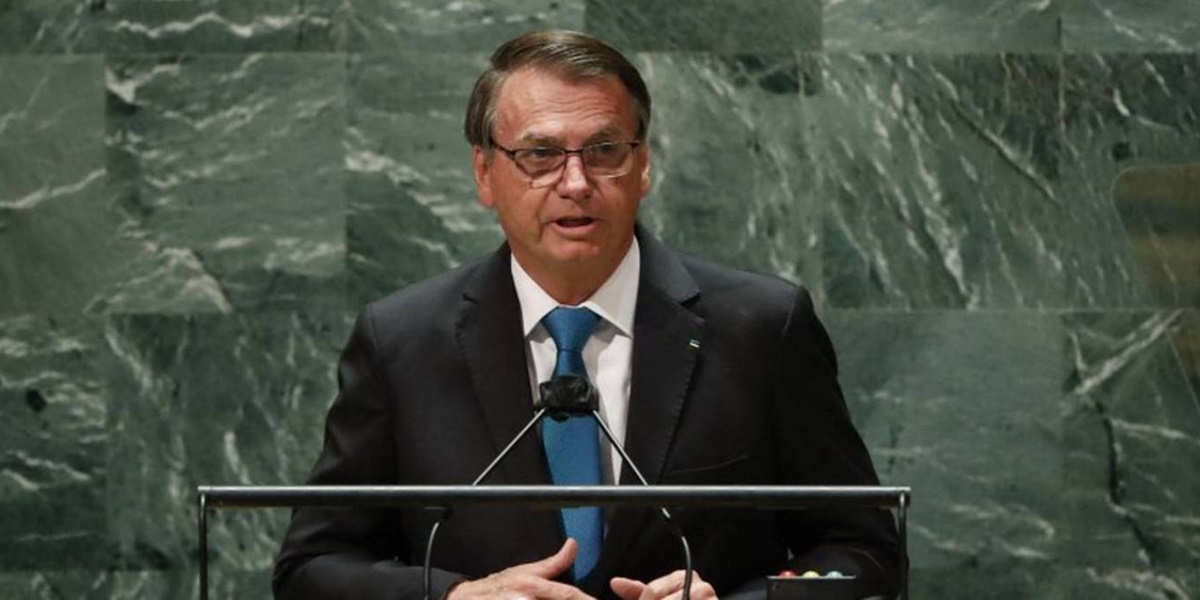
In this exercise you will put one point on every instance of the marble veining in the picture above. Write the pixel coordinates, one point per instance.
(763, 26)
(737, 189)
(227, 172)
(992, 203)
(962, 26)
(1121, 26)
(461, 26)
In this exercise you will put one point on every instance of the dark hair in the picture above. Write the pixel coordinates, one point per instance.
(570, 54)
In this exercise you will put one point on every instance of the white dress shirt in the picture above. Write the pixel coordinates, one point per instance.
(608, 354)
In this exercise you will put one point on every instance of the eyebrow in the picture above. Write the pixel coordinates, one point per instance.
(605, 134)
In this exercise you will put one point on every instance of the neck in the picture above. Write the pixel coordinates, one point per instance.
(571, 283)
(567, 285)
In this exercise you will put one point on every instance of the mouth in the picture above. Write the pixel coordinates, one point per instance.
(574, 222)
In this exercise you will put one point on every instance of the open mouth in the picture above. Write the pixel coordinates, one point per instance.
(572, 222)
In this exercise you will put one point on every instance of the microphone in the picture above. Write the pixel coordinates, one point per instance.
(571, 395)
(562, 397)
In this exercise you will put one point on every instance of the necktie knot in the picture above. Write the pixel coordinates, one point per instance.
(570, 328)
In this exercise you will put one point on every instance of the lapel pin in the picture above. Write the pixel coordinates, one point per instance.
(694, 344)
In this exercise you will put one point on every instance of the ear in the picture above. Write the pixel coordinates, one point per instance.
(483, 175)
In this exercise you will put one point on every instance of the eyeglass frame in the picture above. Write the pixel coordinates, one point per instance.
(566, 154)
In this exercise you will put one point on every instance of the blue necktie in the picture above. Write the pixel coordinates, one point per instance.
(573, 446)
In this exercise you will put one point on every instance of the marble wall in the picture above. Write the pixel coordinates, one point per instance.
(994, 202)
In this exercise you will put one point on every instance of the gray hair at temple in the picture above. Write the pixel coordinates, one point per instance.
(569, 54)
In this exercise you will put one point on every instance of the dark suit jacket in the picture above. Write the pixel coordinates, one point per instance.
(734, 382)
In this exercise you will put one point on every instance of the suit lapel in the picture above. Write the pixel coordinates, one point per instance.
(666, 339)
(489, 332)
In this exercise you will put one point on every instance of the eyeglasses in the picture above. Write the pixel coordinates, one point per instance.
(543, 164)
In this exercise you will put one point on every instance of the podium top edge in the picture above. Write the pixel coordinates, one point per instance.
(553, 496)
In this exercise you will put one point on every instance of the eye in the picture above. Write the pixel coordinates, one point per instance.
(605, 149)
(541, 153)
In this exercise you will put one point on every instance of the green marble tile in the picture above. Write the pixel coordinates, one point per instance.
(438, 26)
(49, 26)
(965, 409)
(53, 440)
(182, 584)
(1186, 338)
(1124, 584)
(413, 208)
(1132, 425)
(961, 26)
(229, 172)
(1051, 456)
(1123, 26)
(137, 26)
(212, 400)
(55, 230)
(1160, 209)
(730, 170)
(764, 26)
(945, 189)
(55, 585)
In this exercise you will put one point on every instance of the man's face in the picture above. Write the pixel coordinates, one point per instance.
(578, 224)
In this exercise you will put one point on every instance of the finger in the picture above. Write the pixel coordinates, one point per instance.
(670, 587)
(551, 566)
(701, 590)
(665, 586)
(627, 589)
(553, 590)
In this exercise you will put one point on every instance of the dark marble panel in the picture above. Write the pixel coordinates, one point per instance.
(182, 584)
(1133, 430)
(50, 26)
(52, 445)
(55, 230)
(945, 188)
(1160, 209)
(56, 585)
(1124, 26)
(228, 170)
(135, 26)
(435, 25)
(732, 179)
(912, 26)
(215, 400)
(1050, 456)
(965, 409)
(763, 26)
(411, 190)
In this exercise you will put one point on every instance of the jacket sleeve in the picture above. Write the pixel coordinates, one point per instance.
(816, 444)
(354, 553)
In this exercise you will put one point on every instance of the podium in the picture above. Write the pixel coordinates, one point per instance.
(550, 497)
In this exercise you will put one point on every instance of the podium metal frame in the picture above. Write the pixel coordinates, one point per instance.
(549, 497)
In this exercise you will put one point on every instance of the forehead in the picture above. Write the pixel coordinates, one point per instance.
(536, 104)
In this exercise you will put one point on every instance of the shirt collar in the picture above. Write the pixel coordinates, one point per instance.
(615, 301)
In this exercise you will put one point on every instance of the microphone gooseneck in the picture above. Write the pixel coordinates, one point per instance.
(567, 395)
(687, 551)
(559, 398)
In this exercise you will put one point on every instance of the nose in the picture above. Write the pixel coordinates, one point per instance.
(574, 183)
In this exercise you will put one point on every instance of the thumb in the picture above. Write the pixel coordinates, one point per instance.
(627, 589)
(551, 566)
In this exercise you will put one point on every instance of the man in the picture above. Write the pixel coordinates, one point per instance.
(709, 375)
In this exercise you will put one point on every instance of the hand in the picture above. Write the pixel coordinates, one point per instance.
(669, 587)
(530, 581)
